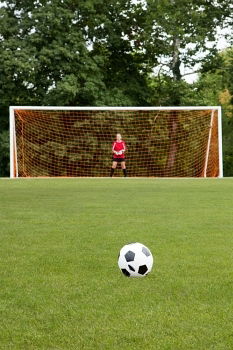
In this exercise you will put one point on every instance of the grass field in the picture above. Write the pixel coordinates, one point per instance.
(60, 286)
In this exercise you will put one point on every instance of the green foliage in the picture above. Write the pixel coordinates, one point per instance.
(228, 146)
(97, 52)
(57, 53)
(215, 87)
(184, 29)
(167, 92)
(4, 153)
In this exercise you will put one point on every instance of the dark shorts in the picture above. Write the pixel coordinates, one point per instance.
(118, 160)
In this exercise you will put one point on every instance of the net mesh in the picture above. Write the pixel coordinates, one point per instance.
(160, 143)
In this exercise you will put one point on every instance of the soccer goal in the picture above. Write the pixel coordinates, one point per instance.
(76, 141)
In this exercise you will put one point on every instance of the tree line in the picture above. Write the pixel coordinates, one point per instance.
(114, 53)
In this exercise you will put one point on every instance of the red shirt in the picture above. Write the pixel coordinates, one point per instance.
(119, 146)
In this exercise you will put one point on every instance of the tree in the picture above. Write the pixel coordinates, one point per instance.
(215, 87)
(70, 53)
(97, 52)
(94, 52)
(45, 57)
(188, 32)
(4, 153)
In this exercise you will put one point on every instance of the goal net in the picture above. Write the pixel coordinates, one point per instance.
(77, 141)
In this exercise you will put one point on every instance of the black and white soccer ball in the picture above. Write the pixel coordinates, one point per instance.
(135, 260)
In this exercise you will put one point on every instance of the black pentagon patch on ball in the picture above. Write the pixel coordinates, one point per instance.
(129, 256)
(145, 251)
(142, 269)
(131, 268)
(125, 272)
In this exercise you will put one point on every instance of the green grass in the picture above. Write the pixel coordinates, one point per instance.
(60, 286)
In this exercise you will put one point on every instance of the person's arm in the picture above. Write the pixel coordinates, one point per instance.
(113, 146)
(124, 148)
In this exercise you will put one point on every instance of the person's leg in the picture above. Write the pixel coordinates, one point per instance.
(114, 165)
(123, 167)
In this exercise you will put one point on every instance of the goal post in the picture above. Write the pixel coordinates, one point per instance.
(13, 148)
(76, 141)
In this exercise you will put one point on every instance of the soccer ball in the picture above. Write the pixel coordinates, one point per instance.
(135, 260)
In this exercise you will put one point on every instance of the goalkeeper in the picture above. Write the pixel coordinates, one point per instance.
(118, 150)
